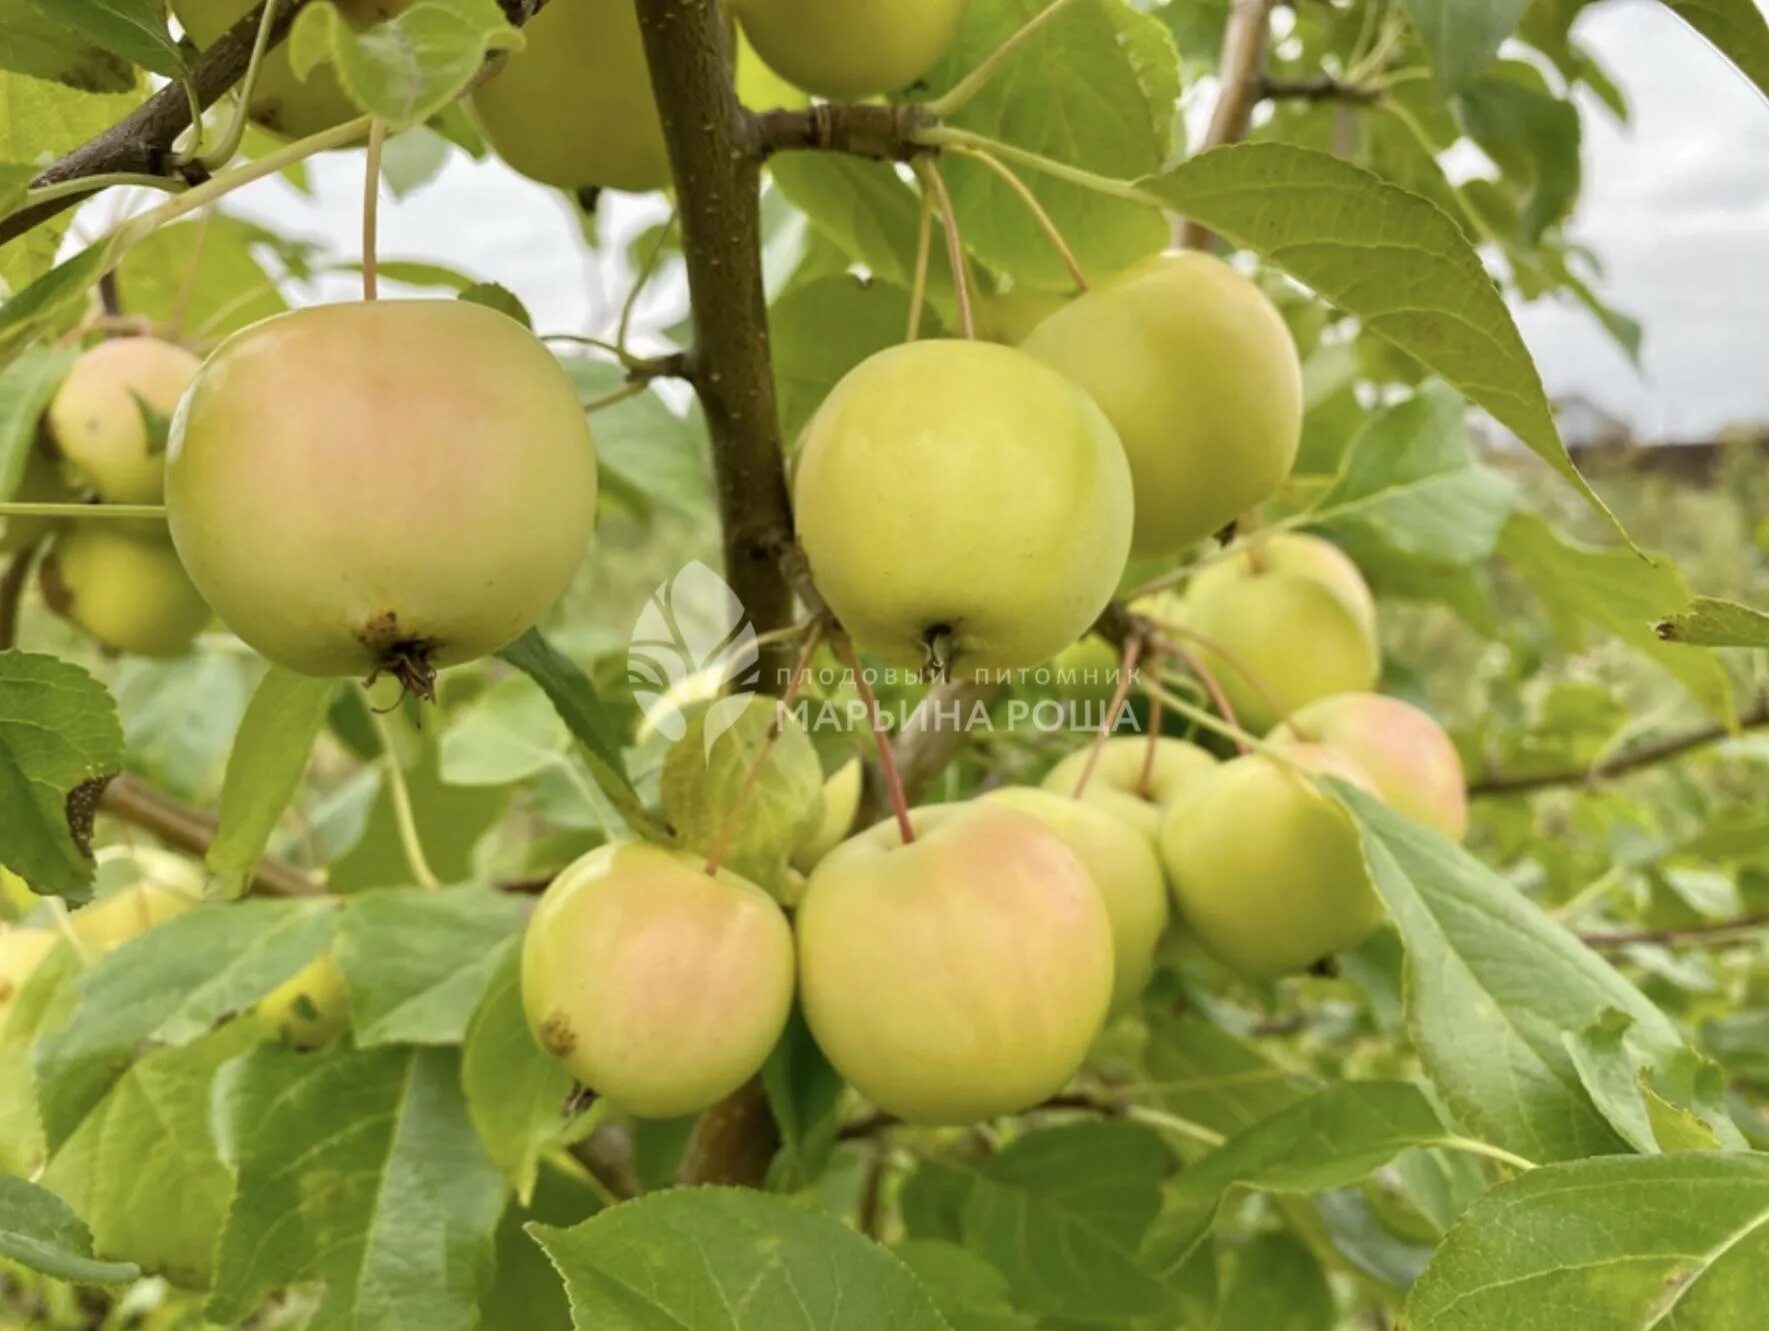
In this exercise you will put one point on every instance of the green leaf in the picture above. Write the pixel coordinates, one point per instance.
(1712, 622)
(1060, 1212)
(450, 821)
(38, 1008)
(515, 1092)
(1533, 138)
(1096, 88)
(528, 1294)
(1330, 1140)
(501, 299)
(53, 298)
(1677, 1107)
(394, 1207)
(1491, 984)
(971, 1294)
(1411, 478)
(406, 68)
(38, 1229)
(151, 1137)
(509, 733)
(202, 277)
(1463, 36)
(804, 1095)
(133, 31)
(1207, 1076)
(40, 43)
(1637, 1243)
(867, 212)
(169, 986)
(417, 961)
(644, 446)
(269, 755)
(1616, 591)
(1275, 1283)
(26, 387)
(760, 1263)
(418, 273)
(1391, 258)
(60, 743)
(823, 329)
(1737, 28)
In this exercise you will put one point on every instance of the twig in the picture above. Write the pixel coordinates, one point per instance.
(1323, 88)
(1702, 935)
(1243, 55)
(135, 801)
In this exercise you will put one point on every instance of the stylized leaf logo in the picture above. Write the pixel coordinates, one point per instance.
(692, 640)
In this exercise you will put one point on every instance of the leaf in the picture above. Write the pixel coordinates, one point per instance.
(515, 1092)
(134, 31)
(1533, 138)
(509, 733)
(760, 1263)
(1491, 983)
(823, 329)
(1095, 88)
(866, 211)
(1206, 1075)
(406, 68)
(201, 276)
(417, 961)
(38, 1229)
(692, 639)
(971, 1294)
(1330, 1140)
(1677, 1107)
(169, 986)
(26, 388)
(804, 1094)
(1738, 30)
(151, 1137)
(1059, 1212)
(393, 1208)
(269, 755)
(39, 43)
(60, 742)
(1463, 36)
(450, 822)
(1613, 589)
(1635, 1243)
(1410, 476)
(644, 447)
(47, 302)
(1274, 1283)
(501, 299)
(1712, 622)
(1390, 258)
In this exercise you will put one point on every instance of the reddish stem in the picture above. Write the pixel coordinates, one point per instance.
(1126, 671)
(1235, 663)
(887, 759)
(1195, 664)
(1145, 779)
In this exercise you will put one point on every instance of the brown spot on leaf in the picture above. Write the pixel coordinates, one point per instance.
(82, 807)
(1667, 631)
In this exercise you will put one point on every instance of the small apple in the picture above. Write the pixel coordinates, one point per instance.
(573, 108)
(1116, 786)
(309, 1009)
(126, 589)
(1409, 757)
(1282, 623)
(1087, 669)
(1267, 869)
(161, 887)
(841, 804)
(760, 88)
(1194, 366)
(961, 976)
(282, 102)
(393, 485)
(660, 986)
(101, 419)
(1123, 866)
(850, 48)
(962, 506)
(21, 952)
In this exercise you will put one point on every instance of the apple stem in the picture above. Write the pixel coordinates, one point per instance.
(641, 280)
(403, 815)
(1195, 664)
(1023, 192)
(944, 136)
(961, 93)
(1234, 662)
(222, 153)
(751, 778)
(924, 238)
(371, 207)
(1208, 720)
(1126, 672)
(79, 512)
(1145, 779)
(935, 184)
(887, 759)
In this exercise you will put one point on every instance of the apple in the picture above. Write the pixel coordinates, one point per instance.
(309, 1009)
(759, 87)
(841, 805)
(1122, 864)
(1196, 369)
(161, 887)
(126, 589)
(21, 952)
(850, 48)
(1409, 757)
(962, 506)
(392, 485)
(282, 102)
(40, 483)
(1116, 786)
(1267, 869)
(660, 986)
(1087, 669)
(574, 108)
(99, 419)
(961, 976)
(1282, 623)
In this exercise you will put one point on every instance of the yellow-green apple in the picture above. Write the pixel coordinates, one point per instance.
(659, 985)
(125, 588)
(1409, 757)
(1266, 868)
(960, 976)
(21, 952)
(759, 87)
(161, 887)
(309, 1009)
(1194, 366)
(850, 48)
(392, 485)
(1117, 784)
(108, 418)
(962, 506)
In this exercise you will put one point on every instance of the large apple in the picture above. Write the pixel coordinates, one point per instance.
(309, 1009)
(1117, 786)
(160, 887)
(281, 102)
(392, 485)
(573, 108)
(850, 48)
(125, 588)
(1197, 371)
(659, 985)
(102, 417)
(1281, 623)
(1266, 868)
(1409, 757)
(961, 976)
(962, 506)
(1122, 863)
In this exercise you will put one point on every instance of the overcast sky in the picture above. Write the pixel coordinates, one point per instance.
(1676, 203)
